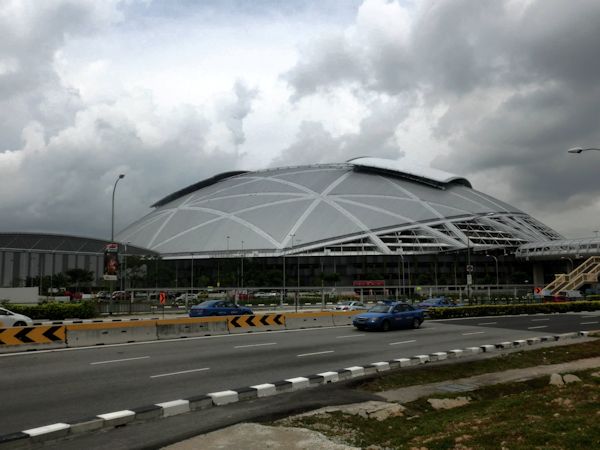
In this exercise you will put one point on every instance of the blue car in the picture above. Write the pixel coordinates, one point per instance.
(387, 316)
(218, 308)
(437, 302)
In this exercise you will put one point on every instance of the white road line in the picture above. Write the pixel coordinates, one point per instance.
(535, 328)
(349, 336)
(473, 332)
(589, 317)
(587, 323)
(316, 353)
(255, 345)
(487, 323)
(118, 360)
(403, 342)
(539, 320)
(179, 373)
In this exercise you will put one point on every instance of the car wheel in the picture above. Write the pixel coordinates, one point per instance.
(360, 328)
(385, 326)
(416, 323)
(19, 324)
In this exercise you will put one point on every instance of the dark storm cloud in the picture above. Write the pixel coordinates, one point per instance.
(375, 137)
(518, 82)
(60, 156)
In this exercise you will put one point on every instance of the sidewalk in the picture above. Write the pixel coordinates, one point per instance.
(258, 437)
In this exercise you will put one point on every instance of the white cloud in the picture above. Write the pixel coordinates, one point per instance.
(173, 92)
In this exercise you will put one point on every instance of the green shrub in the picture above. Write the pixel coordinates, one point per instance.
(57, 311)
(498, 310)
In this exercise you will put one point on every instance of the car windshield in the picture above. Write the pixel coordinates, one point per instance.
(207, 304)
(345, 303)
(433, 301)
(380, 308)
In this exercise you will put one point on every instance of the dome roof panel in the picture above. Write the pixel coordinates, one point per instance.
(181, 221)
(325, 222)
(240, 202)
(277, 219)
(212, 237)
(313, 178)
(259, 184)
(142, 232)
(375, 218)
(399, 210)
(364, 183)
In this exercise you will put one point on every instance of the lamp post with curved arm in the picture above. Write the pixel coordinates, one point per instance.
(112, 221)
(581, 149)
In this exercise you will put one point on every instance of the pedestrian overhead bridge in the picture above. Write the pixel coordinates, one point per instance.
(585, 273)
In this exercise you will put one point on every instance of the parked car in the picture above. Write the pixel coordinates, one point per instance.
(351, 305)
(11, 319)
(384, 317)
(119, 295)
(438, 302)
(266, 294)
(103, 295)
(187, 296)
(218, 308)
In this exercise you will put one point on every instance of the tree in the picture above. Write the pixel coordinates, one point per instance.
(77, 276)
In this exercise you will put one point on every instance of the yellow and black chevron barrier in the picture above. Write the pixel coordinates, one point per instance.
(250, 321)
(32, 335)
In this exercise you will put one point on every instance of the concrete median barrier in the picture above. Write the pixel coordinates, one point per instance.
(258, 322)
(88, 334)
(191, 327)
(295, 321)
(343, 317)
(19, 339)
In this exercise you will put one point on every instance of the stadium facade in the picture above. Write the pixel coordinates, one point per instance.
(364, 219)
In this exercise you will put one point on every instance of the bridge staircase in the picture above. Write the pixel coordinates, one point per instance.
(587, 272)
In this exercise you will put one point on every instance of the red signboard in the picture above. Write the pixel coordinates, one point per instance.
(368, 283)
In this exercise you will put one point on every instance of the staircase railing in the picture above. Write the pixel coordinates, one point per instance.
(586, 272)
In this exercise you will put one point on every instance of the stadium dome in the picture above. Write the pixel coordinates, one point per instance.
(363, 206)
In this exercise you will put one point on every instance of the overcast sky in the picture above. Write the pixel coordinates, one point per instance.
(170, 92)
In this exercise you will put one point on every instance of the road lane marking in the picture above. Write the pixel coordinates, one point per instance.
(349, 336)
(403, 342)
(315, 353)
(179, 373)
(535, 328)
(539, 320)
(487, 323)
(117, 360)
(255, 345)
(473, 332)
(587, 323)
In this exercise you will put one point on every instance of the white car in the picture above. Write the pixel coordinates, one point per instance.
(349, 306)
(11, 319)
(266, 294)
(188, 296)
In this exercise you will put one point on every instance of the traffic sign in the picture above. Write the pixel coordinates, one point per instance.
(470, 268)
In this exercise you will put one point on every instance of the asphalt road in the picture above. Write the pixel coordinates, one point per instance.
(40, 388)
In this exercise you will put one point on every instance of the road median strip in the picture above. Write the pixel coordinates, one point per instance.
(25, 438)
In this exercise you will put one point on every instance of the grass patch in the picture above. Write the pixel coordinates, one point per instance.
(527, 415)
(516, 360)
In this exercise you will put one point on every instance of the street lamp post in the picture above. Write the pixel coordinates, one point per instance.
(112, 222)
(242, 269)
(283, 293)
(497, 277)
(578, 150)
